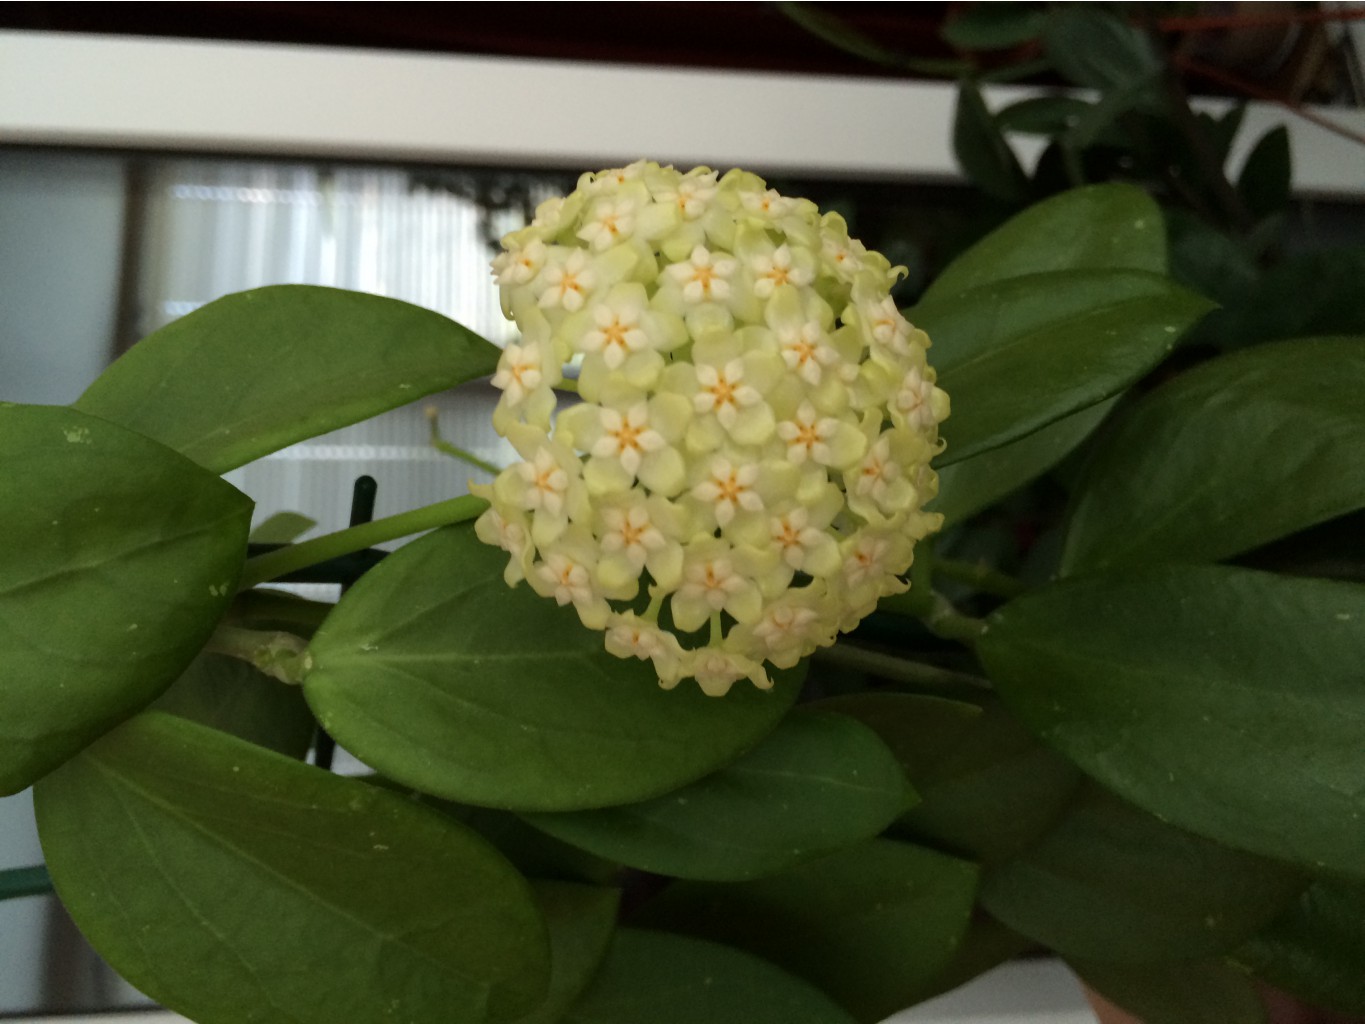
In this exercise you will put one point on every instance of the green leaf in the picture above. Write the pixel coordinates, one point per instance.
(870, 925)
(231, 695)
(1227, 701)
(1203, 992)
(987, 944)
(228, 882)
(1099, 227)
(1265, 182)
(981, 149)
(669, 979)
(1162, 486)
(1315, 948)
(436, 673)
(967, 487)
(282, 528)
(1210, 262)
(253, 372)
(581, 920)
(119, 558)
(1097, 49)
(842, 36)
(993, 27)
(1041, 115)
(534, 853)
(1111, 882)
(987, 788)
(1063, 340)
(740, 822)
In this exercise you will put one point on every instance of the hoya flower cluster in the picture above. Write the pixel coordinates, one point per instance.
(745, 474)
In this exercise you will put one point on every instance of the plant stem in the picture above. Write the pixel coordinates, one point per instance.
(897, 669)
(946, 621)
(17, 882)
(280, 655)
(289, 559)
(979, 576)
(455, 451)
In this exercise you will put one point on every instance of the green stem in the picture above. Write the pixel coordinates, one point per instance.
(282, 562)
(979, 576)
(946, 621)
(897, 669)
(455, 451)
(17, 882)
(280, 655)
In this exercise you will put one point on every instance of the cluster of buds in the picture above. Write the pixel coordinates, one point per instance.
(745, 474)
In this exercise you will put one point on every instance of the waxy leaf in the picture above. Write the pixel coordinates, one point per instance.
(437, 674)
(1111, 882)
(119, 558)
(816, 783)
(871, 925)
(1099, 227)
(581, 920)
(967, 487)
(1099, 49)
(670, 979)
(987, 787)
(232, 884)
(231, 695)
(1316, 948)
(980, 147)
(259, 370)
(1227, 701)
(1062, 341)
(1228, 456)
(1202, 992)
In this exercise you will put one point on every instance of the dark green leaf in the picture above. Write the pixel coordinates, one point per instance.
(253, 372)
(1264, 184)
(1315, 949)
(982, 150)
(437, 674)
(581, 920)
(1227, 701)
(1208, 261)
(1063, 340)
(987, 788)
(842, 36)
(967, 487)
(1041, 115)
(534, 853)
(816, 783)
(669, 979)
(1228, 456)
(993, 26)
(987, 944)
(231, 695)
(870, 925)
(1097, 49)
(119, 558)
(1099, 227)
(1203, 992)
(282, 528)
(1111, 882)
(228, 882)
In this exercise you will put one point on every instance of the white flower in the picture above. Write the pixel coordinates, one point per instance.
(704, 277)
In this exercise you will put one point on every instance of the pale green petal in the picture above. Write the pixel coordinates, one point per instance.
(664, 472)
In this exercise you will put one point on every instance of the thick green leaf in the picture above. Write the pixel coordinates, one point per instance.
(1227, 701)
(669, 979)
(580, 920)
(437, 674)
(967, 487)
(982, 150)
(282, 528)
(993, 26)
(535, 854)
(1265, 182)
(1210, 262)
(987, 787)
(1019, 354)
(253, 372)
(231, 695)
(230, 883)
(1099, 227)
(1098, 49)
(1316, 948)
(816, 783)
(1202, 992)
(871, 925)
(1164, 487)
(1111, 882)
(986, 945)
(1041, 115)
(119, 558)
